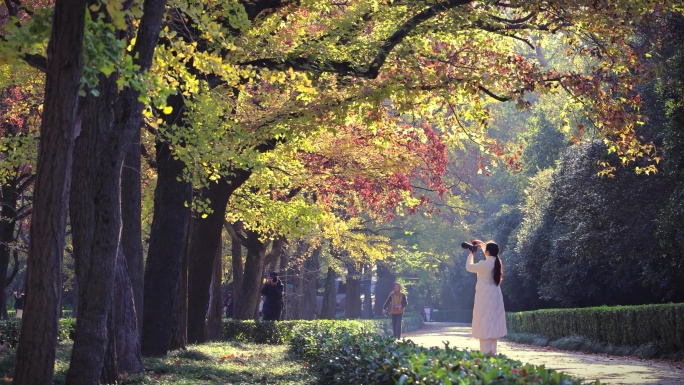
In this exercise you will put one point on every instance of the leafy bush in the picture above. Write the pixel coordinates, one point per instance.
(659, 326)
(268, 332)
(348, 356)
(10, 329)
(452, 316)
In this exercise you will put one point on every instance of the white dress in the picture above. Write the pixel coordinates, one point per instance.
(489, 316)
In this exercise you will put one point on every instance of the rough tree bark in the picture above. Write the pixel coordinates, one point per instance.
(352, 307)
(8, 220)
(367, 309)
(236, 257)
(167, 245)
(96, 226)
(36, 352)
(128, 358)
(329, 296)
(215, 301)
(310, 270)
(131, 216)
(179, 335)
(204, 240)
(250, 292)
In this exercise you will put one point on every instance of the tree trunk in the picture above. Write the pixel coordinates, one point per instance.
(128, 357)
(293, 301)
(96, 230)
(311, 269)
(8, 220)
(367, 310)
(204, 240)
(167, 244)
(330, 296)
(383, 286)
(36, 352)
(215, 301)
(248, 302)
(131, 216)
(179, 330)
(236, 256)
(352, 307)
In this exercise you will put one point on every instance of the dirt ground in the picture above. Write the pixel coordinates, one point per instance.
(609, 369)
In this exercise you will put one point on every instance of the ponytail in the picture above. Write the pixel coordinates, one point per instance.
(497, 273)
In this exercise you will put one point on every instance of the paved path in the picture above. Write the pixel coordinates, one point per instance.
(609, 369)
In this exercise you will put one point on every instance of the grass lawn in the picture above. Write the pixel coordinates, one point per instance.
(212, 363)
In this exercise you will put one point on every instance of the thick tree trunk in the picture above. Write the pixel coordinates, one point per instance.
(236, 256)
(127, 351)
(352, 308)
(215, 301)
(96, 229)
(329, 296)
(131, 212)
(310, 272)
(383, 286)
(248, 302)
(36, 352)
(204, 240)
(367, 310)
(293, 301)
(179, 335)
(8, 220)
(167, 244)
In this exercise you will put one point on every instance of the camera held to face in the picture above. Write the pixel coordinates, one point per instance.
(470, 246)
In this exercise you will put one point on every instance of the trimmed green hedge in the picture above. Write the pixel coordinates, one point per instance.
(662, 325)
(10, 329)
(283, 331)
(465, 316)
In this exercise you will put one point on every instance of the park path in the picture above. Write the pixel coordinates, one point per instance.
(609, 369)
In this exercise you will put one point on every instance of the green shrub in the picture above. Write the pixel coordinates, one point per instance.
(661, 327)
(10, 329)
(452, 316)
(347, 356)
(269, 332)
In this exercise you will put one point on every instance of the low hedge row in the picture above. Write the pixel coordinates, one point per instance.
(10, 329)
(344, 356)
(662, 325)
(283, 331)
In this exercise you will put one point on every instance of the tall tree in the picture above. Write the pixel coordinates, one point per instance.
(36, 352)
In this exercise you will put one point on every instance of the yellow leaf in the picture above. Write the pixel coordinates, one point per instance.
(167, 110)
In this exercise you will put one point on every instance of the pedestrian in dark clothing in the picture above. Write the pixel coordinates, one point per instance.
(395, 304)
(273, 298)
(228, 304)
(18, 304)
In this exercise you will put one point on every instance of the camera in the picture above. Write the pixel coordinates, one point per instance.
(469, 246)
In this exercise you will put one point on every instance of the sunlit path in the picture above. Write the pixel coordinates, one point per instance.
(609, 369)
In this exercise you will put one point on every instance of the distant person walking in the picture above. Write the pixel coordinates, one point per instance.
(18, 304)
(228, 304)
(273, 298)
(395, 304)
(489, 316)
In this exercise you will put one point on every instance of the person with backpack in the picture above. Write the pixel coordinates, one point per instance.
(395, 304)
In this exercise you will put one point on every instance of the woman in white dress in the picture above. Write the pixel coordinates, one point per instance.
(489, 316)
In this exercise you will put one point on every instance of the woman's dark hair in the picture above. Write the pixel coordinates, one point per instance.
(493, 250)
